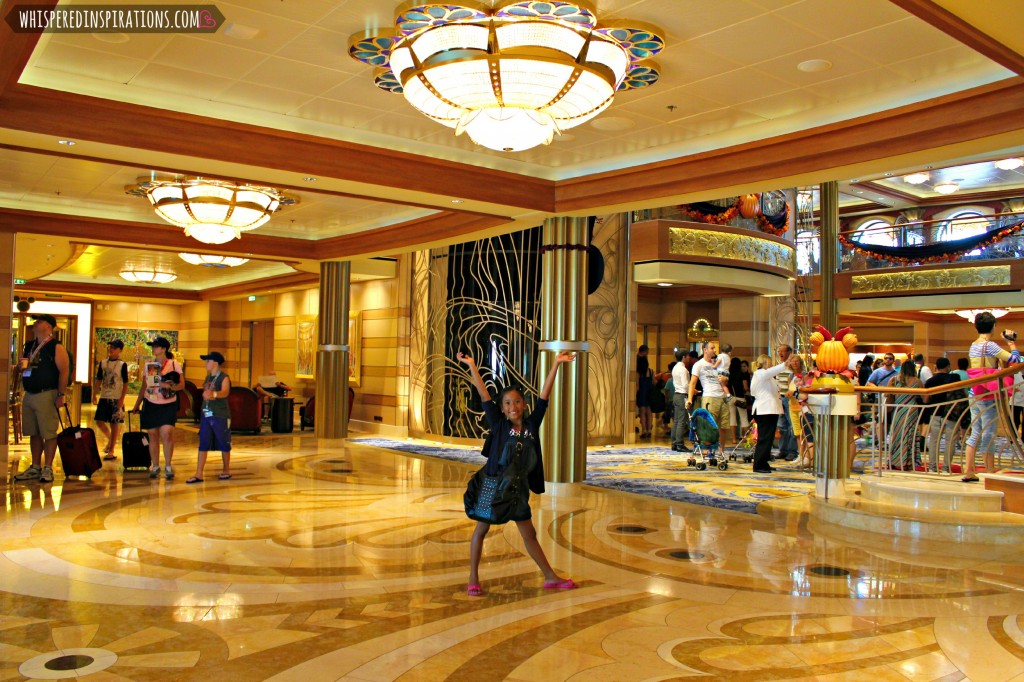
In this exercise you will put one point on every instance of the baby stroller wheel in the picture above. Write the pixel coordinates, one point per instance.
(747, 459)
(701, 466)
(713, 461)
(723, 465)
(691, 462)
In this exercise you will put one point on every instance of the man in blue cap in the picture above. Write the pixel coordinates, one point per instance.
(214, 427)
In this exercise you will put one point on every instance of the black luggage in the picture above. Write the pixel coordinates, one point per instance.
(134, 448)
(282, 412)
(79, 455)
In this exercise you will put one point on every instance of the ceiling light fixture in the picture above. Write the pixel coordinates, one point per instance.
(972, 313)
(211, 211)
(147, 276)
(664, 284)
(947, 187)
(916, 178)
(1009, 164)
(211, 261)
(510, 77)
(814, 65)
(66, 143)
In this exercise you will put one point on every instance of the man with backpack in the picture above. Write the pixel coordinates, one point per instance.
(946, 419)
(45, 369)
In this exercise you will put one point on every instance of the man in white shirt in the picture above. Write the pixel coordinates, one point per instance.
(714, 394)
(681, 383)
(923, 373)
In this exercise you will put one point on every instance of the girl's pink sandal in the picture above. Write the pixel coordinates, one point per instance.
(475, 590)
(566, 584)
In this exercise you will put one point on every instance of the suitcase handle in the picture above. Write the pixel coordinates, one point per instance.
(67, 412)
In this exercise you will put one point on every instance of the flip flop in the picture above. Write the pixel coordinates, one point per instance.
(109, 457)
(969, 479)
(475, 590)
(224, 477)
(194, 480)
(566, 584)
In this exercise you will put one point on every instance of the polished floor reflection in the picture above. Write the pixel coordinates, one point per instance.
(348, 562)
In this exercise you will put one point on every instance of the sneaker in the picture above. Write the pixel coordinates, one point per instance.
(46, 476)
(154, 471)
(30, 474)
(169, 472)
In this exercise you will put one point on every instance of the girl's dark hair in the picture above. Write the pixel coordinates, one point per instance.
(169, 355)
(984, 322)
(735, 368)
(509, 389)
(908, 370)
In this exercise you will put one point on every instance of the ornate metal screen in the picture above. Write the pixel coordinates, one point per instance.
(480, 298)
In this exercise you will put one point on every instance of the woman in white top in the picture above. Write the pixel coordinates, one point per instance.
(767, 408)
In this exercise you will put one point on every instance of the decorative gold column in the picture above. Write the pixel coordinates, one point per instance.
(829, 192)
(7, 241)
(563, 326)
(332, 351)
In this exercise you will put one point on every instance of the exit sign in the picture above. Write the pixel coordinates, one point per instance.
(19, 281)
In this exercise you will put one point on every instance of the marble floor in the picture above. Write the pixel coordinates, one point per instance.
(339, 561)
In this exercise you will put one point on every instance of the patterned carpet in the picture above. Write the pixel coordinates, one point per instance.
(651, 470)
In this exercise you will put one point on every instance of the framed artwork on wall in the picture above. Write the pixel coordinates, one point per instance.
(305, 347)
(355, 345)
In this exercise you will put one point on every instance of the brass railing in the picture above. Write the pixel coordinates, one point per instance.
(890, 424)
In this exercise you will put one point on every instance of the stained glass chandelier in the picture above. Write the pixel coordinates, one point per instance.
(511, 76)
(211, 211)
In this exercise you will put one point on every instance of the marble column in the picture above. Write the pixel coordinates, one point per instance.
(829, 192)
(333, 351)
(564, 327)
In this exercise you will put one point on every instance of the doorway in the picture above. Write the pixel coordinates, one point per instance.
(261, 349)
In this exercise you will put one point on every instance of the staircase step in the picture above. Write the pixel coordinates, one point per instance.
(935, 495)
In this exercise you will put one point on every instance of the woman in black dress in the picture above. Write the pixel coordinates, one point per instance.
(508, 420)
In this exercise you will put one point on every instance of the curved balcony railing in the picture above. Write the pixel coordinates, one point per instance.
(894, 432)
(917, 233)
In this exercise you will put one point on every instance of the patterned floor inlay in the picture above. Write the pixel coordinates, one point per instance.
(651, 470)
(349, 562)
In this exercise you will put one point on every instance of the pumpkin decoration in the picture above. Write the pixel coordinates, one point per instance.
(832, 353)
(750, 205)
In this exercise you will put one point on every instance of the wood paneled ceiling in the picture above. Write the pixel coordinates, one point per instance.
(732, 113)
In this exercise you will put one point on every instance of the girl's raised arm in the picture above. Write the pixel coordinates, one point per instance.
(564, 356)
(474, 375)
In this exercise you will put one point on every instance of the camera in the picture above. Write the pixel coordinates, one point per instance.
(1009, 335)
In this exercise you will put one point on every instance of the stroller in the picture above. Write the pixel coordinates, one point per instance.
(704, 436)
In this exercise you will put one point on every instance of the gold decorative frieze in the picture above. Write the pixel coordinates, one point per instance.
(685, 241)
(922, 280)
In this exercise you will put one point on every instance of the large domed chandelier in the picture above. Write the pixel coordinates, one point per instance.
(211, 211)
(512, 76)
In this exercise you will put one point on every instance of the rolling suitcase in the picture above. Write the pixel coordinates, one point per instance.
(79, 455)
(134, 448)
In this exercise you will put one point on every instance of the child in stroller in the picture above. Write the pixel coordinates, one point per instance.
(704, 436)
